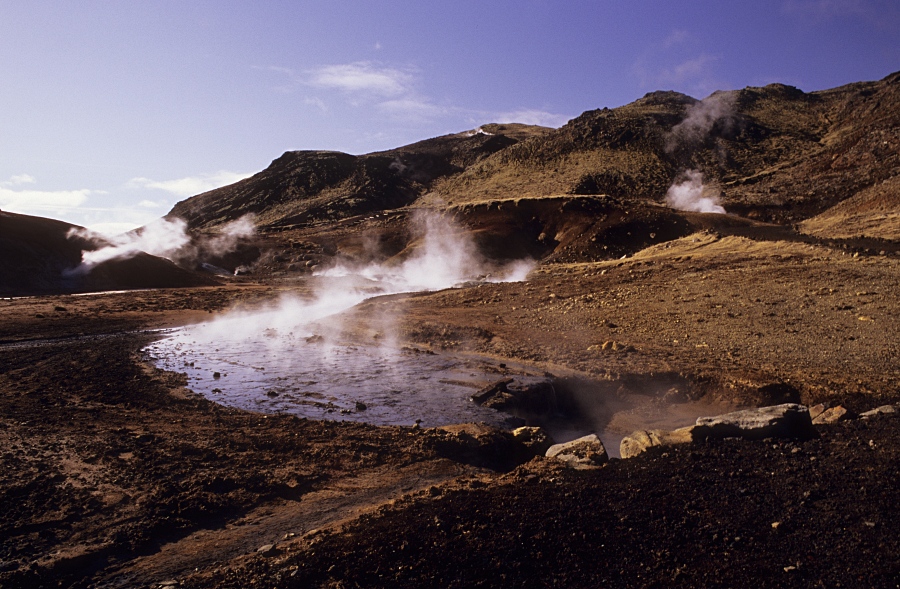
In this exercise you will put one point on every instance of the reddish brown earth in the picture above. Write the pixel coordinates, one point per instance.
(115, 475)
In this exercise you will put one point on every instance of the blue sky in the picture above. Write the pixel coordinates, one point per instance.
(112, 111)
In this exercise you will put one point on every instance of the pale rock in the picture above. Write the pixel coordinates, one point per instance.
(641, 440)
(817, 410)
(585, 452)
(832, 415)
(883, 410)
(534, 438)
(789, 420)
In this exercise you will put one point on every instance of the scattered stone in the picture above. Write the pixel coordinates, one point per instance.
(585, 452)
(817, 410)
(641, 440)
(883, 410)
(832, 415)
(789, 420)
(534, 438)
(267, 550)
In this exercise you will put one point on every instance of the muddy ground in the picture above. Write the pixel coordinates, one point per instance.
(113, 474)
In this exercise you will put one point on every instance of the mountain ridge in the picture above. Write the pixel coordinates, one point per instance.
(775, 153)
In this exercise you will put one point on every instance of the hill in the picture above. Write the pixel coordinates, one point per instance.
(772, 153)
(38, 256)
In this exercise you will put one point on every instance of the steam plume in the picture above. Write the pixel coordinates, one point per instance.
(700, 119)
(445, 256)
(163, 237)
(690, 194)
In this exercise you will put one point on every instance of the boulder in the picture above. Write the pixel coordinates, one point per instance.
(789, 420)
(641, 440)
(585, 452)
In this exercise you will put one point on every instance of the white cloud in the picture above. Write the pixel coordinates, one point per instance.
(151, 204)
(40, 202)
(362, 77)
(19, 180)
(191, 185)
(112, 228)
(392, 92)
(316, 102)
(532, 117)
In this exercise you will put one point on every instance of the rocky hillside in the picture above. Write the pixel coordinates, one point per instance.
(773, 153)
(37, 256)
(302, 187)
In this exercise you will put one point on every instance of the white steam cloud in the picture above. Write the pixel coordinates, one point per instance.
(690, 194)
(700, 119)
(163, 237)
(444, 256)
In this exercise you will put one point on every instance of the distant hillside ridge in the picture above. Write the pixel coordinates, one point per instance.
(303, 187)
(37, 256)
(772, 153)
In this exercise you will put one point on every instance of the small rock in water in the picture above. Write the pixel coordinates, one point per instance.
(272, 393)
(217, 375)
(361, 406)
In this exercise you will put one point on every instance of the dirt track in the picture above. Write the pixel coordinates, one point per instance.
(115, 475)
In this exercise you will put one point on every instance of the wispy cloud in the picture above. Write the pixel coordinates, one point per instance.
(41, 202)
(690, 70)
(676, 37)
(18, 180)
(191, 185)
(362, 77)
(662, 68)
(532, 117)
(394, 93)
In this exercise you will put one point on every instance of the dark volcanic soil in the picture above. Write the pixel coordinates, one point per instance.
(115, 475)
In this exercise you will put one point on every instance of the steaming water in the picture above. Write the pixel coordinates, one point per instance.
(374, 384)
(279, 361)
